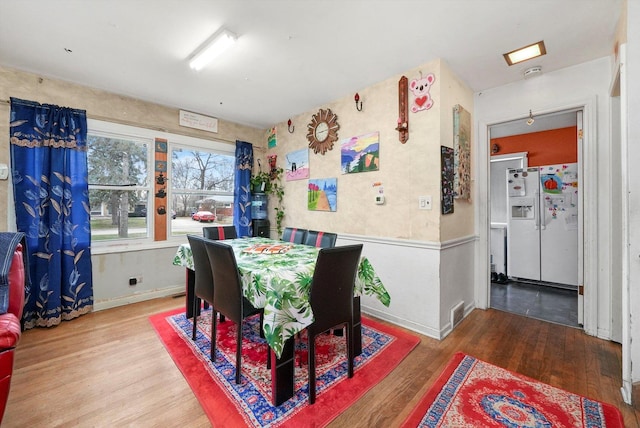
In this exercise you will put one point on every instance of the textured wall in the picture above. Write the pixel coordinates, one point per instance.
(100, 105)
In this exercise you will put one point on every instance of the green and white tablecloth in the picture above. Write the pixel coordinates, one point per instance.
(280, 283)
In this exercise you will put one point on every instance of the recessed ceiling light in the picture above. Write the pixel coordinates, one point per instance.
(532, 51)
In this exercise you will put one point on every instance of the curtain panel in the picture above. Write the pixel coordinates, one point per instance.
(242, 189)
(49, 172)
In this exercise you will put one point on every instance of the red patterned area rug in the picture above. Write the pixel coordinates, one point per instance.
(473, 393)
(249, 404)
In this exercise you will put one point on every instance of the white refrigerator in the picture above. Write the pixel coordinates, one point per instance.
(542, 223)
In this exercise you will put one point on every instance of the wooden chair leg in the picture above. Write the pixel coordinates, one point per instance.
(214, 333)
(350, 350)
(239, 353)
(196, 303)
(312, 367)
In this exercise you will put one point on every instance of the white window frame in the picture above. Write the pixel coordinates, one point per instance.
(101, 127)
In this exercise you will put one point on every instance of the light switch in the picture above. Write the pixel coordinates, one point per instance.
(424, 202)
(4, 171)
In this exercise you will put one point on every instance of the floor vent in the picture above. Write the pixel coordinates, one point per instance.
(457, 313)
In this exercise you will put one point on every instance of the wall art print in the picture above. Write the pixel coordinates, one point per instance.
(323, 194)
(297, 165)
(360, 154)
(462, 152)
(446, 180)
(271, 138)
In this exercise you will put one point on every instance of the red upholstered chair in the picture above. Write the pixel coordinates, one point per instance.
(294, 235)
(10, 329)
(219, 232)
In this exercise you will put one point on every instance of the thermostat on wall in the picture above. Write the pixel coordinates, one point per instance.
(4, 171)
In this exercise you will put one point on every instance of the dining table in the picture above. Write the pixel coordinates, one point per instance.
(277, 276)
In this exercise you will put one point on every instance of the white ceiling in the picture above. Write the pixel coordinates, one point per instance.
(292, 56)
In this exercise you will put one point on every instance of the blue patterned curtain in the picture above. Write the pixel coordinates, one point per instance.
(242, 189)
(49, 170)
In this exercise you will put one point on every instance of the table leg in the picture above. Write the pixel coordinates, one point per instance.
(357, 327)
(190, 285)
(282, 373)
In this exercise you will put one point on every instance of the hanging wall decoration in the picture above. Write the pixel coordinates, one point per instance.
(446, 179)
(297, 165)
(271, 138)
(360, 154)
(462, 152)
(420, 89)
(322, 194)
(403, 110)
(323, 131)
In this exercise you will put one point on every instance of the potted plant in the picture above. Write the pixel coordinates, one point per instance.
(260, 182)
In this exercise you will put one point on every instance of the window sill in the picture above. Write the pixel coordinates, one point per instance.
(126, 247)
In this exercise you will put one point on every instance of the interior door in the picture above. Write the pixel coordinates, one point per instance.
(580, 137)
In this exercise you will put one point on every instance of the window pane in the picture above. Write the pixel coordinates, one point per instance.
(201, 181)
(116, 161)
(118, 214)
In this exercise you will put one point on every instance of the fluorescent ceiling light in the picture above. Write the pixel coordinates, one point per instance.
(219, 42)
(525, 53)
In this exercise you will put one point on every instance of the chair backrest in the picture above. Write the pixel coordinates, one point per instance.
(203, 281)
(227, 294)
(294, 235)
(219, 232)
(331, 295)
(320, 239)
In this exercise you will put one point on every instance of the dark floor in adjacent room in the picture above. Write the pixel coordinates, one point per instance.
(541, 302)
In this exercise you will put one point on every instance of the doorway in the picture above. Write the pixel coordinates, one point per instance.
(547, 139)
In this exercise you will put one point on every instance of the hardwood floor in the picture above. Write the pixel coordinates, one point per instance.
(109, 369)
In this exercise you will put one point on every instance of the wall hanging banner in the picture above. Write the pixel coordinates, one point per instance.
(462, 152)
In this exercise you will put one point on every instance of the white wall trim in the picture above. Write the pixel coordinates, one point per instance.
(402, 322)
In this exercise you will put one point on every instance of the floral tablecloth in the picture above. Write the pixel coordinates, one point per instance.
(279, 282)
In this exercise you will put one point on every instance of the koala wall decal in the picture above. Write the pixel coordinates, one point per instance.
(420, 89)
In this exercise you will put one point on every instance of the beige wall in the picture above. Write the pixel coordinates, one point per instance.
(407, 171)
(99, 105)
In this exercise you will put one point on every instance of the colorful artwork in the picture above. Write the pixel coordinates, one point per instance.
(271, 138)
(297, 165)
(323, 194)
(420, 89)
(446, 180)
(462, 152)
(360, 154)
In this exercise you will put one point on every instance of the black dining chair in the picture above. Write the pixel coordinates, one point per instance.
(294, 235)
(227, 295)
(220, 232)
(203, 280)
(331, 300)
(320, 239)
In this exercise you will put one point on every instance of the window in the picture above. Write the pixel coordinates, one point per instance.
(201, 188)
(119, 186)
(200, 178)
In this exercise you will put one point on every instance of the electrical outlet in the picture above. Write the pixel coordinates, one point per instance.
(133, 281)
(424, 202)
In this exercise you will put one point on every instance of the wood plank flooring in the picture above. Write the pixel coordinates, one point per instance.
(109, 369)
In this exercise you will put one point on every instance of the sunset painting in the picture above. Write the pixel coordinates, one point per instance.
(360, 154)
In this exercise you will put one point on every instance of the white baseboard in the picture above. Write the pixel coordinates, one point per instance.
(404, 323)
(135, 298)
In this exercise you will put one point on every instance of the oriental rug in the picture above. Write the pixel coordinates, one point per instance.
(473, 393)
(249, 404)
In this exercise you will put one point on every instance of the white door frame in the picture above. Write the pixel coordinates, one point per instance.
(587, 159)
